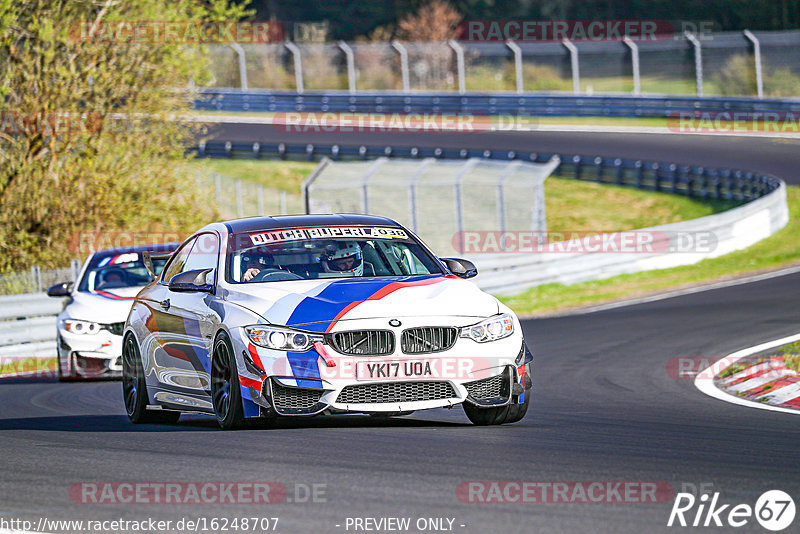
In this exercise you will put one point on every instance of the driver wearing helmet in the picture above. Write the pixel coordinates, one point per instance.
(253, 261)
(345, 258)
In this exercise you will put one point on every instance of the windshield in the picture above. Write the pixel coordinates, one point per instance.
(327, 252)
(114, 271)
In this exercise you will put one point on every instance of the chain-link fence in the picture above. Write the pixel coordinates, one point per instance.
(437, 199)
(36, 279)
(725, 63)
(236, 198)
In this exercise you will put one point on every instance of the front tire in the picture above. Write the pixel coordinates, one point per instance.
(134, 389)
(69, 375)
(226, 394)
(500, 415)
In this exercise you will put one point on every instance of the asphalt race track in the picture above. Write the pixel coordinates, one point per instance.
(605, 409)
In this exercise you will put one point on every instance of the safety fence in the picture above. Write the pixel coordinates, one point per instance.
(702, 63)
(762, 208)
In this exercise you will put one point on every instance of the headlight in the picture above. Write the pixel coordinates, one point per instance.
(279, 338)
(490, 329)
(74, 326)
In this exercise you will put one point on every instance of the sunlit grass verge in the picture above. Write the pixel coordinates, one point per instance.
(778, 250)
(791, 355)
(28, 366)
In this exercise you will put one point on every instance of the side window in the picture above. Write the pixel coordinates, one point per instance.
(204, 255)
(178, 261)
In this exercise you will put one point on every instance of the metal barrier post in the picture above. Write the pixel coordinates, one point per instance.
(698, 61)
(459, 50)
(298, 65)
(304, 187)
(510, 169)
(373, 169)
(403, 64)
(351, 66)
(637, 87)
(465, 169)
(261, 200)
(412, 190)
(75, 265)
(573, 56)
(239, 204)
(36, 275)
(517, 64)
(757, 53)
(242, 65)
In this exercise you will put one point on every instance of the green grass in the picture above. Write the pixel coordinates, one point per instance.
(779, 250)
(282, 175)
(791, 355)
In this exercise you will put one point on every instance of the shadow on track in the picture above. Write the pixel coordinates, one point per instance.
(120, 423)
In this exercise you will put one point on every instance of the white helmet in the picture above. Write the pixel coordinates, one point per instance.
(344, 250)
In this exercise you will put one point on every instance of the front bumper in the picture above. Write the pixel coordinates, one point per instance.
(90, 355)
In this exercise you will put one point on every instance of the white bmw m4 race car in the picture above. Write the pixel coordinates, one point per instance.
(266, 317)
(89, 328)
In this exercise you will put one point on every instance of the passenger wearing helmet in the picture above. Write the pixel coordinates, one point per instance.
(344, 258)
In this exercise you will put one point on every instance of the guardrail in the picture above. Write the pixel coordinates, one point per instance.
(696, 181)
(28, 326)
(493, 104)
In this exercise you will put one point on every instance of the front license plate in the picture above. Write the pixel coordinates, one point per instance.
(393, 370)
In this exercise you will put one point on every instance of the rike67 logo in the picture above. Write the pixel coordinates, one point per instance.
(774, 510)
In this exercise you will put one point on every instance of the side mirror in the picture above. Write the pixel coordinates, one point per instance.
(191, 282)
(64, 289)
(460, 267)
(147, 260)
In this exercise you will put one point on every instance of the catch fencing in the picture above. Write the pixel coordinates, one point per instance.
(719, 63)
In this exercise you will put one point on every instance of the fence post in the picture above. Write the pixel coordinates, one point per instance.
(698, 61)
(75, 265)
(351, 66)
(459, 50)
(284, 210)
(573, 57)
(242, 64)
(218, 187)
(36, 275)
(465, 169)
(403, 64)
(239, 204)
(757, 53)
(517, 64)
(304, 187)
(412, 190)
(261, 200)
(510, 169)
(298, 65)
(637, 86)
(373, 169)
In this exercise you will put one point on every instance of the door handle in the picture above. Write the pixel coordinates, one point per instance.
(165, 304)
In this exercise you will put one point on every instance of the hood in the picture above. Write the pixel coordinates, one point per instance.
(104, 307)
(324, 302)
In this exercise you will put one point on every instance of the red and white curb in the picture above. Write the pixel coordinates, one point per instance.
(768, 385)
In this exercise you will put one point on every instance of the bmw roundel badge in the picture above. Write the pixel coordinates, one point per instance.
(394, 322)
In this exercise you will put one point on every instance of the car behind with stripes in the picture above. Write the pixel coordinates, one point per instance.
(89, 328)
(270, 317)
